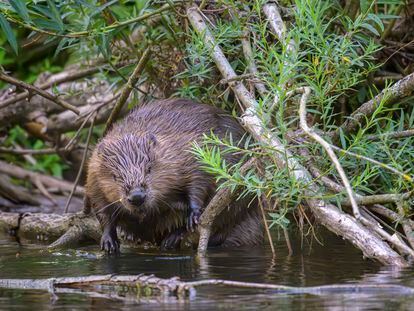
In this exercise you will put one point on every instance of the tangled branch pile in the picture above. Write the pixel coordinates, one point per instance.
(323, 88)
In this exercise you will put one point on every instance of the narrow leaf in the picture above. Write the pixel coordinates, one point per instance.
(56, 13)
(20, 7)
(5, 26)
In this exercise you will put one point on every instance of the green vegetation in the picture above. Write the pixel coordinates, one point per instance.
(337, 54)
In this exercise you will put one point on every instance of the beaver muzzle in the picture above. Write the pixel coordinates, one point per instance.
(136, 197)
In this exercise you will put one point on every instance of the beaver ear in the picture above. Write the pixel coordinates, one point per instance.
(101, 147)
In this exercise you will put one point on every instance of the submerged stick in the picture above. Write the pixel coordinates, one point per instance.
(174, 286)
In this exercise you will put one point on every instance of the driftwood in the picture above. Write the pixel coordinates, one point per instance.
(43, 226)
(47, 181)
(151, 285)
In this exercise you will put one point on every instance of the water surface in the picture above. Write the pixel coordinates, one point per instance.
(336, 262)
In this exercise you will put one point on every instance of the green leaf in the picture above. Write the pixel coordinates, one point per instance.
(377, 21)
(5, 26)
(56, 13)
(20, 7)
(370, 28)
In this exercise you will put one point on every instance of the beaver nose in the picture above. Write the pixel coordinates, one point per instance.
(136, 197)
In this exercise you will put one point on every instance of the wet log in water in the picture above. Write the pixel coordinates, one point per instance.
(150, 285)
(51, 226)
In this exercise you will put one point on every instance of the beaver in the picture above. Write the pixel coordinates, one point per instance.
(143, 178)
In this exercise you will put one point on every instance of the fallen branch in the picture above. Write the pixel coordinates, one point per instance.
(401, 89)
(399, 134)
(217, 204)
(65, 76)
(31, 88)
(49, 226)
(379, 199)
(327, 214)
(48, 181)
(15, 193)
(174, 286)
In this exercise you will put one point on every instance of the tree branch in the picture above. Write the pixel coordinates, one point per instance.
(31, 88)
(133, 79)
(328, 215)
(48, 181)
(401, 89)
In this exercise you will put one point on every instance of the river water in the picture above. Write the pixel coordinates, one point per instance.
(335, 262)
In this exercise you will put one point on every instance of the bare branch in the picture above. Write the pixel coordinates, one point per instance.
(65, 76)
(401, 89)
(35, 89)
(133, 79)
(48, 181)
(30, 151)
(82, 165)
(399, 134)
(174, 286)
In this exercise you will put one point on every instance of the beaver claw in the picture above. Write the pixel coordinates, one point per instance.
(109, 244)
(193, 220)
(173, 240)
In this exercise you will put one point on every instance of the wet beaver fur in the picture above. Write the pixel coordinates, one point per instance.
(143, 178)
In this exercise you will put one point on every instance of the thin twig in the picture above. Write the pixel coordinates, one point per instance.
(85, 155)
(72, 141)
(329, 151)
(401, 89)
(383, 165)
(87, 33)
(391, 135)
(31, 151)
(54, 80)
(31, 88)
(288, 243)
(133, 79)
(269, 236)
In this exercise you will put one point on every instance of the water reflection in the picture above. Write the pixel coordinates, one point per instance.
(334, 263)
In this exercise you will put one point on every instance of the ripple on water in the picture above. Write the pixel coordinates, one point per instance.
(334, 263)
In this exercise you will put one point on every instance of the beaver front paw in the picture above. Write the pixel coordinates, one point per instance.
(110, 243)
(173, 240)
(193, 219)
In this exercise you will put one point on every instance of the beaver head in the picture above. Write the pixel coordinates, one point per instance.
(126, 165)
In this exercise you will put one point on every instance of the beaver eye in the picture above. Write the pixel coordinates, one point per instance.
(149, 169)
(114, 177)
